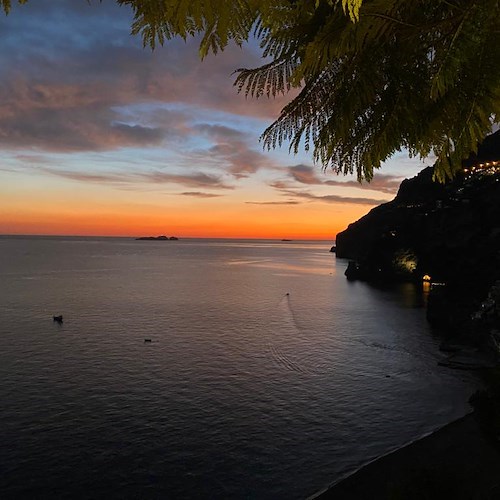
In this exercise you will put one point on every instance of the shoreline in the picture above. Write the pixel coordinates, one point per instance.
(453, 460)
(345, 477)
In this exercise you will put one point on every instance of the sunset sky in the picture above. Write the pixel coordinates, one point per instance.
(100, 136)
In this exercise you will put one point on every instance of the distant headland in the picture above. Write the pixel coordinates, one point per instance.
(158, 238)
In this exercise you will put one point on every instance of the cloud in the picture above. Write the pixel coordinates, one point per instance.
(381, 182)
(65, 119)
(333, 198)
(305, 174)
(242, 160)
(32, 158)
(196, 180)
(137, 133)
(219, 132)
(280, 185)
(231, 150)
(66, 70)
(290, 202)
(100, 178)
(199, 194)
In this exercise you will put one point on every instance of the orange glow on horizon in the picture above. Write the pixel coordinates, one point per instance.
(74, 212)
(258, 224)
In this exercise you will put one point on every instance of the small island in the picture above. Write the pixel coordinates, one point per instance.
(157, 238)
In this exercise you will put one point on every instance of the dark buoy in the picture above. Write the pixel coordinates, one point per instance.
(287, 293)
(58, 319)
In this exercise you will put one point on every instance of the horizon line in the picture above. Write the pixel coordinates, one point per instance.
(284, 240)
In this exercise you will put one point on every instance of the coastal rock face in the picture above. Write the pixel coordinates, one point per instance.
(449, 233)
(429, 228)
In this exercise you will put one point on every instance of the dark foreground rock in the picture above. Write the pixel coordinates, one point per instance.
(455, 462)
(448, 233)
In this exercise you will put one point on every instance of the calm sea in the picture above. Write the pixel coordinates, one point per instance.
(268, 375)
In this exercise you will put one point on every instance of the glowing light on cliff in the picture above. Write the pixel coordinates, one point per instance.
(405, 260)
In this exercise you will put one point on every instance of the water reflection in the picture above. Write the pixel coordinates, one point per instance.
(411, 295)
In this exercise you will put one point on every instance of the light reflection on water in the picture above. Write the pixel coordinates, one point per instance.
(244, 391)
(281, 266)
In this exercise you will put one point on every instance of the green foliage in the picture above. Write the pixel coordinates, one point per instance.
(7, 4)
(419, 75)
(375, 76)
(405, 261)
(218, 20)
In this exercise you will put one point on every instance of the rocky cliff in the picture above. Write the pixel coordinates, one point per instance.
(449, 233)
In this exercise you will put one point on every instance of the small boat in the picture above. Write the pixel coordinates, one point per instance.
(58, 319)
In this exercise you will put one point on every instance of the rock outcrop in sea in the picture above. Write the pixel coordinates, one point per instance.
(157, 238)
(446, 236)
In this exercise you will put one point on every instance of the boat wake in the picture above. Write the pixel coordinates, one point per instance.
(284, 361)
(287, 334)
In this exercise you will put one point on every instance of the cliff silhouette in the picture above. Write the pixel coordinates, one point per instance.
(448, 233)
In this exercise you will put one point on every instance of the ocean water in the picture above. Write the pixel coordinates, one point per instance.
(268, 374)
